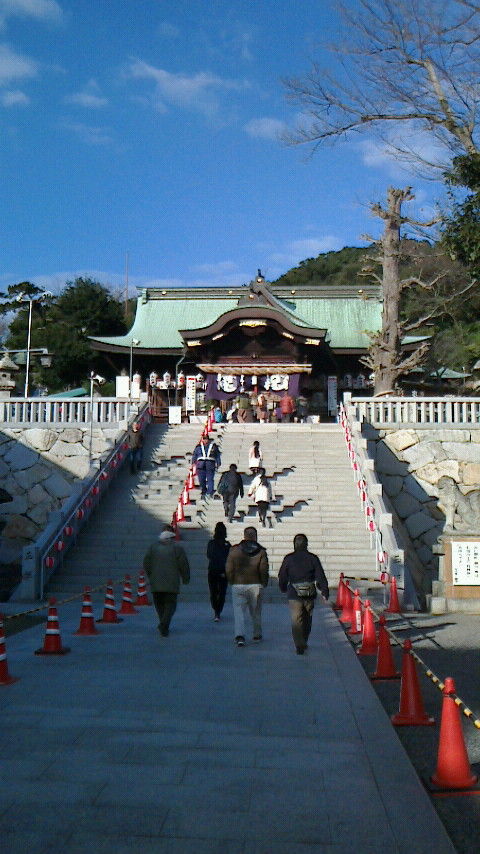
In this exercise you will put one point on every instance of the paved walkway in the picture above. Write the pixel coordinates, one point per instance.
(137, 744)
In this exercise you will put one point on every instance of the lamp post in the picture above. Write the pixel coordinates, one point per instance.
(24, 298)
(134, 342)
(95, 379)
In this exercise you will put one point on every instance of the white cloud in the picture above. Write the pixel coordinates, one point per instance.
(89, 134)
(404, 150)
(168, 30)
(265, 128)
(14, 98)
(42, 10)
(299, 250)
(90, 97)
(193, 92)
(13, 66)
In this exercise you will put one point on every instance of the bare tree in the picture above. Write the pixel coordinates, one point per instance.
(387, 357)
(407, 68)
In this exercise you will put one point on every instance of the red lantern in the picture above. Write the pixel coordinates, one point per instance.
(68, 530)
(113, 463)
(371, 526)
(59, 546)
(104, 475)
(80, 514)
(95, 490)
(49, 562)
(88, 502)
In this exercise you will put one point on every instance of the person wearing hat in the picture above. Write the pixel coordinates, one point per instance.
(166, 565)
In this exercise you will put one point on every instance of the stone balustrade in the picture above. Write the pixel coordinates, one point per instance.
(413, 410)
(63, 410)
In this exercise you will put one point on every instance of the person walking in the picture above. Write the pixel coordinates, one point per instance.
(166, 564)
(300, 574)
(135, 445)
(287, 407)
(230, 486)
(207, 458)
(247, 573)
(255, 458)
(217, 552)
(262, 495)
(262, 410)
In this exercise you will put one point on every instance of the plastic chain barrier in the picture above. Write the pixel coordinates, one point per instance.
(46, 605)
(377, 580)
(434, 678)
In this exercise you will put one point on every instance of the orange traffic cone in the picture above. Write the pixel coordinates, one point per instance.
(52, 644)
(5, 678)
(356, 627)
(394, 604)
(109, 610)
(142, 597)
(453, 768)
(339, 600)
(87, 623)
(385, 664)
(185, 495)
(369, 643)
(180, 513)
(190, 481)
(412, 711)
(127, 601)
(347, 608)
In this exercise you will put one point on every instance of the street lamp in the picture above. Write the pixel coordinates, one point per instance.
(133, 343)
(95, 379)
(24, 298)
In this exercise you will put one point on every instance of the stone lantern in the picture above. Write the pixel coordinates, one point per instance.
(7, 385)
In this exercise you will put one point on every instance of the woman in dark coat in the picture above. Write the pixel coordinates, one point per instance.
(217, 551)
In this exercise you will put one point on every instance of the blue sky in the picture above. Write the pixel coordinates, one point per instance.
(150, 127)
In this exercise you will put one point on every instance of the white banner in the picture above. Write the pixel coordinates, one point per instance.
(174, 414)
(190, 394)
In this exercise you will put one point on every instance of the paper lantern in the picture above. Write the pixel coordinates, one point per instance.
(80, 514)
(59, 546)
(68, 530)
(49, 562)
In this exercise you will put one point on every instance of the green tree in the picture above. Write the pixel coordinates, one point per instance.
(85, 307)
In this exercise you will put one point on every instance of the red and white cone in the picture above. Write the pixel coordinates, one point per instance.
(357, 615)
(127, 601)
(411, 711)
(453, 768)
(142, 596)
(109, 610)
(185, 495)
(394, 604)
(180, 513)
(190, 481)
(385, 663)
(339, 600)
(369, 643)
(52, 644)
(347, 608)
(87, 623)
(5, 678)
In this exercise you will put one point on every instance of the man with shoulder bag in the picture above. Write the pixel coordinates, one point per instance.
(301, 573)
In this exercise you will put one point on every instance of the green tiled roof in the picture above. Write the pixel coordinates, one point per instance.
(347, 320)
(158, 319)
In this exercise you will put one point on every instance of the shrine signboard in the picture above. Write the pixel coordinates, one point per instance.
(465, 562)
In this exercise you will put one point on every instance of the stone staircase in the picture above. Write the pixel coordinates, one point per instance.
(313, 493)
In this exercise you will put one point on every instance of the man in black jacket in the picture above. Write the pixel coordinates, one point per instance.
(301, 573)
(230, 486)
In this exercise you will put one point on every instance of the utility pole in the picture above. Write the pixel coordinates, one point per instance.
(126, 286)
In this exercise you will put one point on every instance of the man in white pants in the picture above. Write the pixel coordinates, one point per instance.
(247, 572)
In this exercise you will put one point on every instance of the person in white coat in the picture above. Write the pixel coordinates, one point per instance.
(262, 495)
(255, 458)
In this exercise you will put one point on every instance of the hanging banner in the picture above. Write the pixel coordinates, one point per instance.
(190, 394)
(332, 395)
(228, 386)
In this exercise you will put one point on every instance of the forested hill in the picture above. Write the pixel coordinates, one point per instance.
(330, 268)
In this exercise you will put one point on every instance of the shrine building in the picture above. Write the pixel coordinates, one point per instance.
(260, 337)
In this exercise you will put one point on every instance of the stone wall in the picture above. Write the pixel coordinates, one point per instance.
(39, 468)
(432, 477)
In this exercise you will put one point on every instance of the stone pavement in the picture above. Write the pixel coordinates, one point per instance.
(137, 744)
